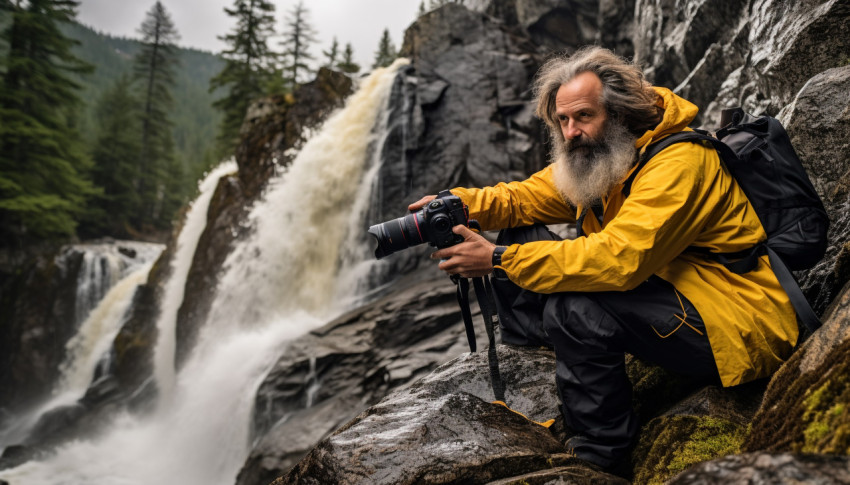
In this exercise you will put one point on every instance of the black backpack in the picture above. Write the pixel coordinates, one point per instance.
(758, 153)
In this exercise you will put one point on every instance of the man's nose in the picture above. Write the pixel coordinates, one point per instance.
(571, 131)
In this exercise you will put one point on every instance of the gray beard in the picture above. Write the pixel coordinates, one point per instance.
(585, 174)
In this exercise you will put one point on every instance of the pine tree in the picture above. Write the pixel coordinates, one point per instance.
(422, 10)
(43, 168)
(249, 67)
(332, 54)
(386, 52)
(116, 161)
(347, 63)
(299, 35)
(154, 70)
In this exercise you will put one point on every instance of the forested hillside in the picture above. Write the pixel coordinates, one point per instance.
(101, 136)
(195, 120)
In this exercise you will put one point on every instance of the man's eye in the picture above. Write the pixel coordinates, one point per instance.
(562, 118)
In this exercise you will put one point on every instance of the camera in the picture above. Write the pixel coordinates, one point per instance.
(432, 224)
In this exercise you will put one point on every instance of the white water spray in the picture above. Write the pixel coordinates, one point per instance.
(276, 286)
(187, 242)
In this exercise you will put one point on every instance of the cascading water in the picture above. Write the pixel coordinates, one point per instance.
(277, 285)
(107, 278)
(103, 265)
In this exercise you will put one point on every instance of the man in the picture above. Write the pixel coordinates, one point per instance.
(630, 284)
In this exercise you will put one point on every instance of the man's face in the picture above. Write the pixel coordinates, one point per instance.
(578, 106)
(595, 152)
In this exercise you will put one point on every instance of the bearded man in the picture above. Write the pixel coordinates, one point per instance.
(629, 283)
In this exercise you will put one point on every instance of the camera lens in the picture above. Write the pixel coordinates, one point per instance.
(441, 223)
(398, 234)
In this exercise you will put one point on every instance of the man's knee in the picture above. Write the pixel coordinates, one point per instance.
(575, 319)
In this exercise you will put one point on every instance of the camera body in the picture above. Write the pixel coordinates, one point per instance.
(432, 224)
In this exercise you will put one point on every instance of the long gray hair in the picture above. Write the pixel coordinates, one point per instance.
(626, 95)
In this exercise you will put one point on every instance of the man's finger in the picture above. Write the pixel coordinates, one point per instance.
(421, 202)
(464, 231)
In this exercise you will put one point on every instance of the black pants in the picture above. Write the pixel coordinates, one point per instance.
(590, 333)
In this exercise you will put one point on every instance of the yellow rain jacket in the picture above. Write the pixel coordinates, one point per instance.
(683, 196)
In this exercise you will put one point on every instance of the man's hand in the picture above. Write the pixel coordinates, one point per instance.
(421, 203)
(471, 258)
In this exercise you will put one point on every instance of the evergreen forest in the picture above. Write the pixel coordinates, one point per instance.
(104, 136)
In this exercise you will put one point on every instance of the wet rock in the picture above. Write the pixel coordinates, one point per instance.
(15, 455)
(616, 26)
(462, 114)
(818, 122)
(133, 347)
(442, 429)
(38, 296)
(685, 421)
(327, 377)
(576, 474)
(551, 24)
(789, 43)
(805, 406)
(720, 54)
(672, 37)
(768, 469)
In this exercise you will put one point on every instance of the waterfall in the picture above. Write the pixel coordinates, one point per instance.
(181, 263)
(103, 265)
(107, 278)
(275, 286)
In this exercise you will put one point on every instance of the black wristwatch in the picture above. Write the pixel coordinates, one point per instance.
(497, 255)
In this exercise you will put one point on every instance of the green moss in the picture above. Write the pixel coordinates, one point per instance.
(814, 433)
(807, 412)
(713, 438)
(825, 417)
(670, 444)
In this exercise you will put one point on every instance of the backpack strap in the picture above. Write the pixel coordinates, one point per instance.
(795, 294)
(696, 136)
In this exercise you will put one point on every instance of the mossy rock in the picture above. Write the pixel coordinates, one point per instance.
(654, 389)
(815, 417)
(671, 444)
(807, 406)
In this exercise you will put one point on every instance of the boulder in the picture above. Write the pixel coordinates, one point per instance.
(443, 429)
(721, 54)
(805, 406)
(328, 376)
(768, 469)
(818, 122)
(685, 421)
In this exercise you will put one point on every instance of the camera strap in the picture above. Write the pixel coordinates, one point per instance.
(484, 295)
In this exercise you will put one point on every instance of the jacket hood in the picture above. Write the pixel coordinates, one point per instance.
(678, 114)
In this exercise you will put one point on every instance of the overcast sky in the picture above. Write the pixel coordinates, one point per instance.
(360, 22)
